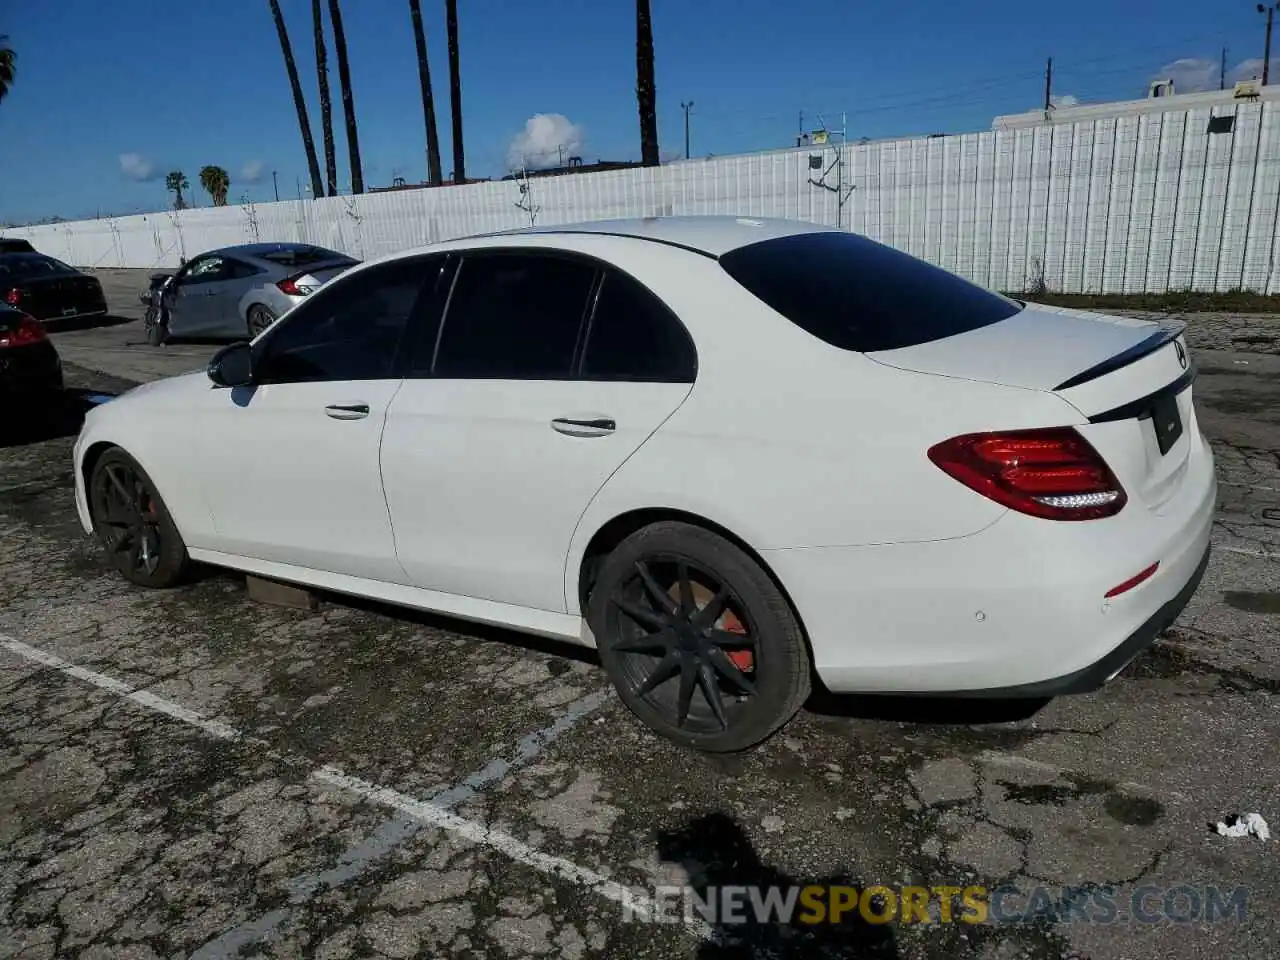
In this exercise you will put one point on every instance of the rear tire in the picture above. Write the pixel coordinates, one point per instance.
(684, 619)
(260, 318)
(133, 524)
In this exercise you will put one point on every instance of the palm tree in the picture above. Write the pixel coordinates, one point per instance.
(175, 182)
(7, 69)
(646, 95)
(216, 183)
(348, 103)
(428, 99)
(317, 188)
(455, 90)
(326, 105)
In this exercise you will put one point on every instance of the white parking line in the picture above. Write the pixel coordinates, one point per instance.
(121, 689)
(424, 812)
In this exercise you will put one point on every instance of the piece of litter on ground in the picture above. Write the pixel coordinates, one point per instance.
(1249, 824)
(1241, 363)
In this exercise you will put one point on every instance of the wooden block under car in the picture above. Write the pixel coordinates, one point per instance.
(281, 594)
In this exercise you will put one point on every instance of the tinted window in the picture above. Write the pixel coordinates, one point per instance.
(31, 265)
(15, 246)
(300, 256)
(635, 337)
(349, 331)
(238, 270)
(514, 316)
(861, 295)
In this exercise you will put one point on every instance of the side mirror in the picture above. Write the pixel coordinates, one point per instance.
(232, 366)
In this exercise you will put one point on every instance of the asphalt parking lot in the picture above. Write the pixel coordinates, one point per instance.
(190, 774)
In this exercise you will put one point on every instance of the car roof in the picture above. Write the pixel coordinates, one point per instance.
(258, 249)
(713, 236)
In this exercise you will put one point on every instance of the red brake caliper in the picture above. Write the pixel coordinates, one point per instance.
(742, 659)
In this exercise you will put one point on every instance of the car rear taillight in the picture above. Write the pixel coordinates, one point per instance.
(1052, 473)
(14, 296)
(290, 286)
(28, 330)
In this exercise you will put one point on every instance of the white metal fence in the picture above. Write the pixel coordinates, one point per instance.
(1139, 203)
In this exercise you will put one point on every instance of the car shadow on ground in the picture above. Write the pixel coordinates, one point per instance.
(49, 419)
(55, 325)
(924, 709)
(718, 856)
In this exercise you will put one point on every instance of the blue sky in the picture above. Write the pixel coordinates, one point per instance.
(110, 96)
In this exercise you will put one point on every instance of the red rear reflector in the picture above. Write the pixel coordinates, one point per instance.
(288, 286)
(1132, 582)
(1053, 473)
(28, 330)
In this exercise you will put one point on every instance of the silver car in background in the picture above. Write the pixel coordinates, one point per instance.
(237, 291)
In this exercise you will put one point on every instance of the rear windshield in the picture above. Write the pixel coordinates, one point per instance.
(301, 256)
(30, 265)
(861, 295)
(15, 246)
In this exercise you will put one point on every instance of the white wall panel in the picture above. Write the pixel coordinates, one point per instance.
(1124, 203)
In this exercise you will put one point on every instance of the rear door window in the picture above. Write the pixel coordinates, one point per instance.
(857, 294)
(514, 316)
(635, 336)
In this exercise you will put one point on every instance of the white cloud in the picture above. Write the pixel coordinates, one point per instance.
(253, 171)
(135, 166)
(1245, 70)
(1191, 74)
(546, 137)
(1066, 100)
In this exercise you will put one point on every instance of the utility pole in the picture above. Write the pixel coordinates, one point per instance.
(1048, 85)
(1269, 10)
(1222, 71)
(275, 185)
(800, 131)
(686, 107)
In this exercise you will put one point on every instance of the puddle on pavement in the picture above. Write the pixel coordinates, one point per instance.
(1253, 601)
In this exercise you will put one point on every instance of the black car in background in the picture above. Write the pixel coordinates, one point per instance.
(48, 289)
(30, 368)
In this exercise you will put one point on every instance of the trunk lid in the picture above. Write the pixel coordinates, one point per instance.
(317, 274)
(1129, 379)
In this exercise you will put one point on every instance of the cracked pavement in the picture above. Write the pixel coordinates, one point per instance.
(129, 832)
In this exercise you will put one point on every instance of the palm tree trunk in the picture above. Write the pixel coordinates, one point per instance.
(428, 98)
(348, 102)
(326, 105)
(455, 91)
(646, 95)
(299, 103)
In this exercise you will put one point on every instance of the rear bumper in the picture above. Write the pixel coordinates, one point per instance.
(30, 369)
(1018, 609)
(1098, 673)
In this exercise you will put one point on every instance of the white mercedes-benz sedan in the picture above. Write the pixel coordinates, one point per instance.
(734, 455)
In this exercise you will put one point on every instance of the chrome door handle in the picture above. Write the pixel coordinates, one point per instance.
(347, 411)
(584, 426)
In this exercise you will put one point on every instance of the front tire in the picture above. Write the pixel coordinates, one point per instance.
(697, 638)
(133, 524)
(156, 329)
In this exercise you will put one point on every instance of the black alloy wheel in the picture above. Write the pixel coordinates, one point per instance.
(697, 638)
(133, 524)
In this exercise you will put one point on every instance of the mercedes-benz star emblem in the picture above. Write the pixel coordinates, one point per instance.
(1182, 353)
